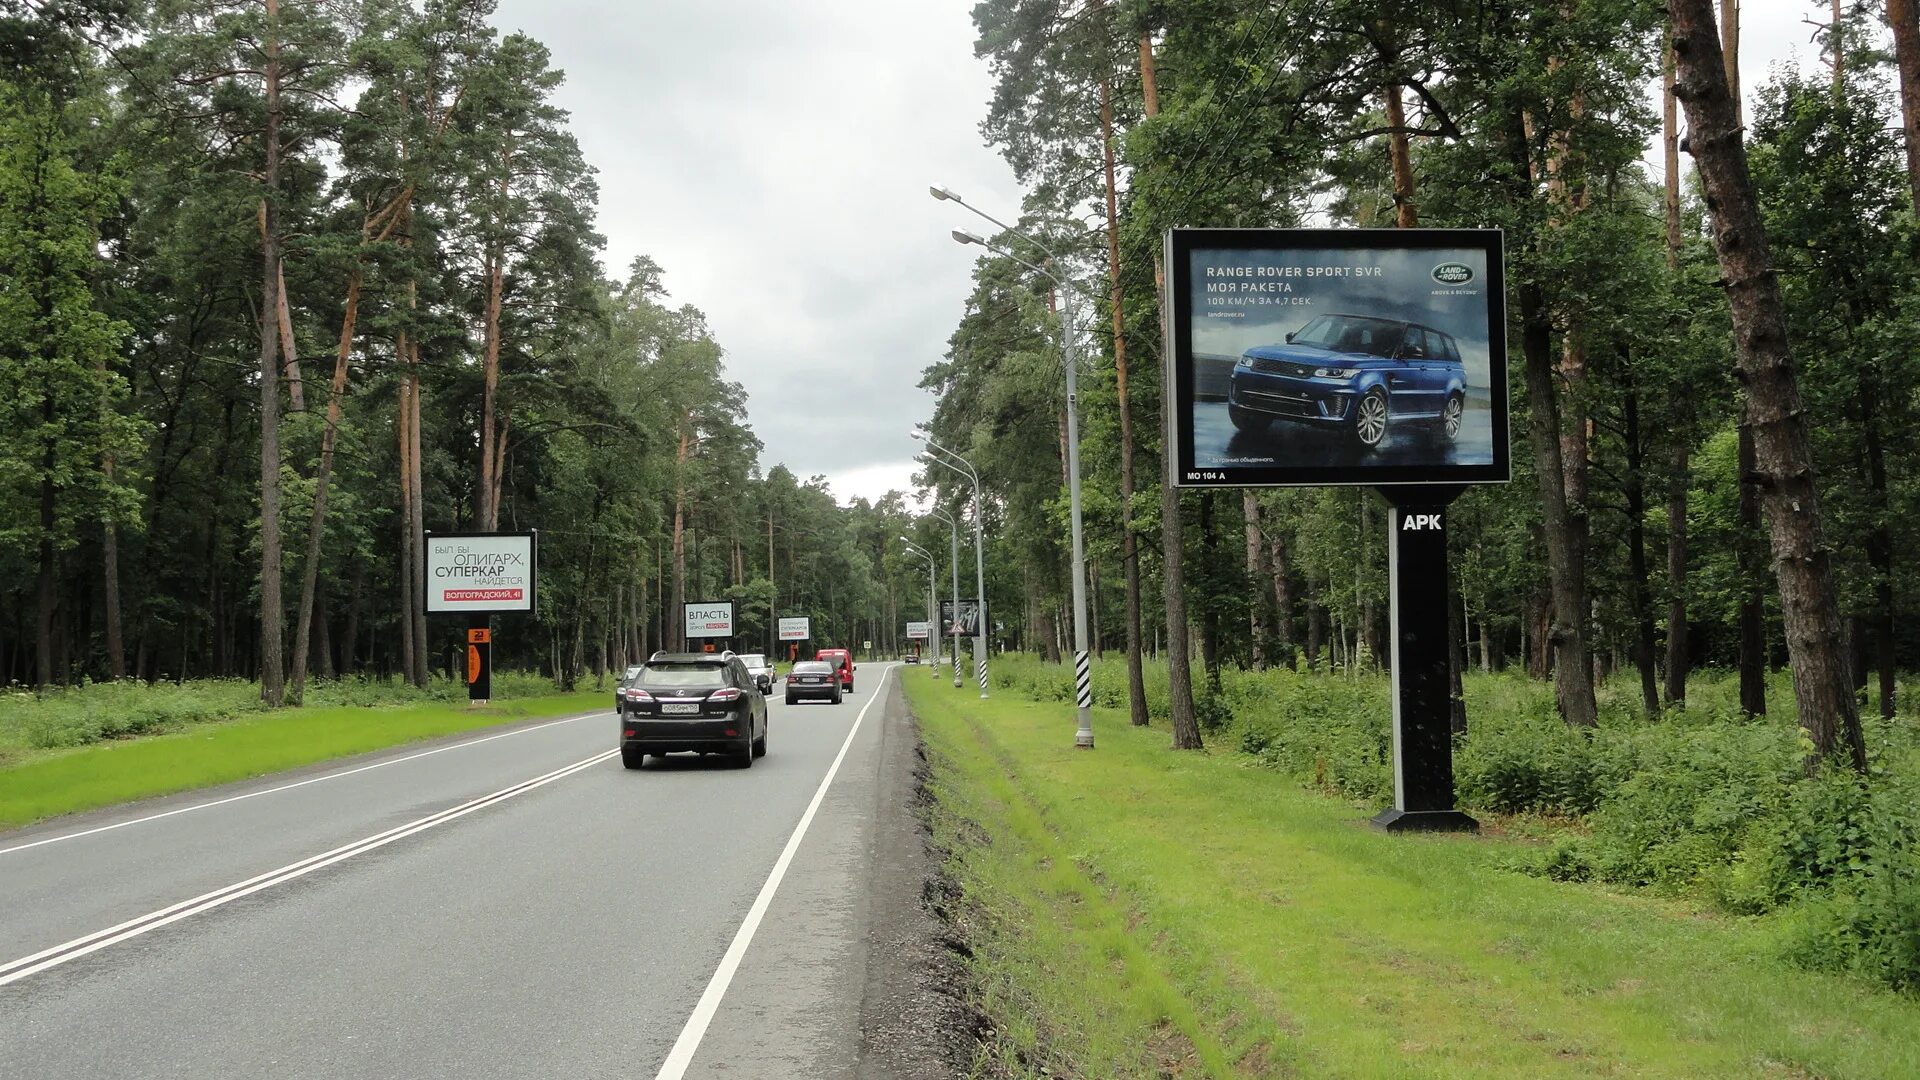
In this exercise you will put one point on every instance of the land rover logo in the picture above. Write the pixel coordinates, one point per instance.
(1453, 273)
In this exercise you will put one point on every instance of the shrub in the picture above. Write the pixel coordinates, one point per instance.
(77, 716)
(1870, 925)
(1527, 759)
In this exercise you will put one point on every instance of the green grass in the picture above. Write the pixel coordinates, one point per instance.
(200, 754)
(1138, 912)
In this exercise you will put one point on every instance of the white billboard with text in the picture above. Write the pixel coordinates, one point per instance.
(479, 573)
(713, 619)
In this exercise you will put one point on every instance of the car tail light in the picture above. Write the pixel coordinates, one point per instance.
(628, 733)
(729, 694)
(730, 732)
(638, 695)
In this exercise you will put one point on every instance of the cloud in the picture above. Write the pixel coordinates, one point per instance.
(773, 158)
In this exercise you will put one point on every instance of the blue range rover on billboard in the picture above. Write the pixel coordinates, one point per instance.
(1354, 373)
(1336, 356)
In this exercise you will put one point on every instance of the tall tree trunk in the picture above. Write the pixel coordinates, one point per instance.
(1782, 451)
(410, 589)
(416, 504)
(676, 622)
(1679, 659)
(350, 635)
(1637, 572)
(289, 358)
(1749, 563)
(110, 581)
(485, 515)
(1186, 726)
(1906, 52)
(323, 476)
(1880, 558)
(1283, 601)
(1256, 571)
(272, 615)
(1405, 212)
(43, 622)
(1572, 665)
(1129, 543)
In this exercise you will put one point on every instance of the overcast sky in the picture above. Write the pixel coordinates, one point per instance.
(774, 156)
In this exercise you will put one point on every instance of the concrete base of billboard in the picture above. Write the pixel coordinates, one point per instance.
(1423, 821)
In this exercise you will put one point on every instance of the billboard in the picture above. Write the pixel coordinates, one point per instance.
(479, 573)
(917, 631)
(795, 628)
(1336, 356)
(969, 620)
(711, 619)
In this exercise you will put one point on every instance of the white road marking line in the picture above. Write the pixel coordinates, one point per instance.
(300, 783)
(684, 1047)
(15, 970)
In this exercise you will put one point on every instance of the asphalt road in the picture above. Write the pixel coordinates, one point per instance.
(513, 905)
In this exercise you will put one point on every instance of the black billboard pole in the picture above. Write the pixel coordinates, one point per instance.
(1423, 797)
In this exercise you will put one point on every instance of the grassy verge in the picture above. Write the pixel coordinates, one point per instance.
(211, 752)
(1135, 912)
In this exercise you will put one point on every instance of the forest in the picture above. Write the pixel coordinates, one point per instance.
(1712, 358)
(290, 285)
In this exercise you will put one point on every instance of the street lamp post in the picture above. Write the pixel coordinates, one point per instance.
(965, 468)
(953, 527)
(933, 616)
(1082, 666)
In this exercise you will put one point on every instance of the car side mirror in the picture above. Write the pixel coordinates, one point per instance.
(1290, 334)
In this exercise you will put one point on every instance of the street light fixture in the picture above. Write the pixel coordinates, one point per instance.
(933, 616)
(1082, 665)
(956, 463)
(953, 527)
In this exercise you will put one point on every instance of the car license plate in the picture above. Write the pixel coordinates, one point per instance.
(678, 708)
(810, 679)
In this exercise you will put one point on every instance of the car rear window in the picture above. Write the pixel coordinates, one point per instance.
(812, 667)
(753, 660)
(670, 675)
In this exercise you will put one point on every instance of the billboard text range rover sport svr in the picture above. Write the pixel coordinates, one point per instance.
(1354, 373)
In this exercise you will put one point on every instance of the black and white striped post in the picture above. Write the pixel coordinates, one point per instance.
(983, 677)
(1083, 685)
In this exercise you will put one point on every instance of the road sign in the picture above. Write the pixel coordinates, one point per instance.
(917, 631)
(795, 628)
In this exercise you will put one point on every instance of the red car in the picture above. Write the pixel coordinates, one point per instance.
(843, 661)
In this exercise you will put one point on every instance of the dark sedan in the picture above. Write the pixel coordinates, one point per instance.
(813, 680)
(693, 701)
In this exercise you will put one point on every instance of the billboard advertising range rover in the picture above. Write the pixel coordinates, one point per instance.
(1337, 356)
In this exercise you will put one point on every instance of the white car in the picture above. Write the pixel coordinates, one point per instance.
(761, 669)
